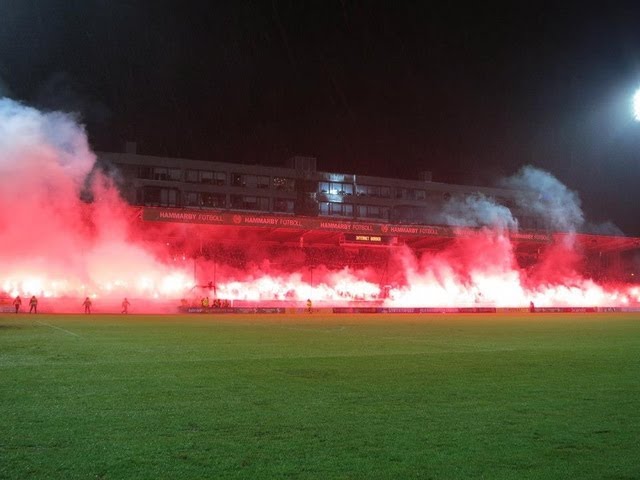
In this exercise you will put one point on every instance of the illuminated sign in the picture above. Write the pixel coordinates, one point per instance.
(368, 239)
(353, 231)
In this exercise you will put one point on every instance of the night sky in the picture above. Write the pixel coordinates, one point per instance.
(379, 88)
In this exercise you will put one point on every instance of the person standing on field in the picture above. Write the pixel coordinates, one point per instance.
(33, 305)
(87, 305)
(17, 302)
(125, 305)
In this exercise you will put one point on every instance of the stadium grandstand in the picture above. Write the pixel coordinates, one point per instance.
(297, 218)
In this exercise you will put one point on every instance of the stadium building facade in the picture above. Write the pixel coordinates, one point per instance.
(298, 189)
(300, 206)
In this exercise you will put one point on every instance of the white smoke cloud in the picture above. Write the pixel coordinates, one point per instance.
(47, 150)
(543, 196)
(44, 159)
(537, 194)
(477, 210)
(51, 242)
(605, 228)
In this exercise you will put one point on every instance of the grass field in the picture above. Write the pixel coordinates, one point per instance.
(314, 396)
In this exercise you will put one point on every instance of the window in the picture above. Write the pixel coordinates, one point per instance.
(253, 181)
(337, 209)
(205, 200)
(434, 197)
(219, 178)
(174, 174)
(283, 183)
(283, 205)
(212, 200)
(248, 202)
(401, 192)
(374, 191)
(419, 195)
(192, 176)
(250, 181)
(236, 201)
(191, 199)
(345, 189)
(362, 210)
(263, 203)
(236, 180)
(263, 181)
(206, 177)
(168, 197)
(345, 210)
(335, 188)
(148, 196)
(145, 172)
(159, 173)
(373, 211)
(156, 196)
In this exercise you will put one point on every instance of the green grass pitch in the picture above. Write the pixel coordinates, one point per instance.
(320, 396)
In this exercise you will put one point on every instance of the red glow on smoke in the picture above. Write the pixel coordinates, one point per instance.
(55, 245)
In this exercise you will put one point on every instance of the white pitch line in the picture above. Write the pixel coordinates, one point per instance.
(315, 330)
(58, 328)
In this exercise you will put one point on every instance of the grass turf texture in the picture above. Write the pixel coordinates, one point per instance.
(314, 396)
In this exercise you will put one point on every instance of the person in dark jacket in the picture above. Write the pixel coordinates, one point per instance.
(33, 305)
(17, 302)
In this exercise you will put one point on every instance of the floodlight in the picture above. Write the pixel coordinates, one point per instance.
(636, 106)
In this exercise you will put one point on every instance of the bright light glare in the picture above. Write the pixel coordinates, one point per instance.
(636, 106)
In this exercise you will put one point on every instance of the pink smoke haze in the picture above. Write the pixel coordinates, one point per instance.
(52, 244)
(57, 246)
